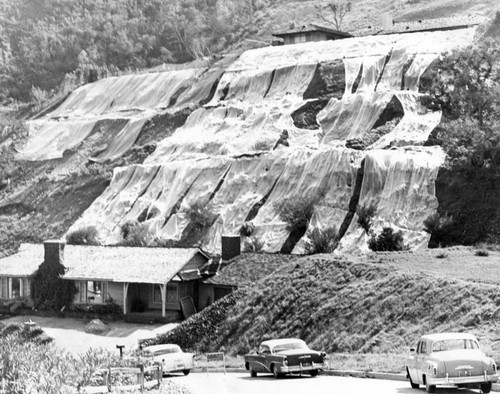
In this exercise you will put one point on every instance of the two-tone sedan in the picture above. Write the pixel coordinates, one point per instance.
(450, 359)
(285, 356)
(171, 358)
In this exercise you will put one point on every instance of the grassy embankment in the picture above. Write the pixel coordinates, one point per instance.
(364, 311)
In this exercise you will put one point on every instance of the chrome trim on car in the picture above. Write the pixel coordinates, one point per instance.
(302, 368)
(462, 380)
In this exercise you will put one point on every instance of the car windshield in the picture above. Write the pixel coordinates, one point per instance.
(161, 352)
(454, 344)
(289, 346)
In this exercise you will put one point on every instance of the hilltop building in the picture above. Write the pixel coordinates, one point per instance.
(310, 32)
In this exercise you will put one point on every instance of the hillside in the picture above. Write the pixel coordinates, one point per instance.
(380, 303)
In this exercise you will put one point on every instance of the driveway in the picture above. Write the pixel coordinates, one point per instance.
(69, 333)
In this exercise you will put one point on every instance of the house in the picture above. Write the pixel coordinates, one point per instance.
(158, 281)
(310, 32)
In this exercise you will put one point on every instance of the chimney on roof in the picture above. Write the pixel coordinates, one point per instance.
(231, 246)
(54, 251)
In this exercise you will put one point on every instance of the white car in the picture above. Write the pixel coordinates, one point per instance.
(450, 359)
(171, 357)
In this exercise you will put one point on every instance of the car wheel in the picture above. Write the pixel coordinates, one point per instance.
(274, 370)
(429, 387)
(313, 372)
(185, 371)
(486, 387)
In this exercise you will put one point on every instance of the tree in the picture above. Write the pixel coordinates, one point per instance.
(466, 83)
(338, 8)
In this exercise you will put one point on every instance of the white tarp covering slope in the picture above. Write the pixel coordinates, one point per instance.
(135, 98)
(217, 157)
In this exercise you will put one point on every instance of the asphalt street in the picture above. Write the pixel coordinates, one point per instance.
(242, 383)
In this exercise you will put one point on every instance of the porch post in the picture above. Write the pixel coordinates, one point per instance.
(9, 294)
(163, 289)
(125, 294)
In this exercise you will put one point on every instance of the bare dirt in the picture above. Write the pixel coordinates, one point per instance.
(69, 334)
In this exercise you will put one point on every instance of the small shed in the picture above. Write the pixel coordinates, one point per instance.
(310, 32)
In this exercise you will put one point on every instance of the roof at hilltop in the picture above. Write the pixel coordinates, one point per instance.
(311, 27)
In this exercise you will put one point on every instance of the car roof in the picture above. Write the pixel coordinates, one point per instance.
(448, 335)
(164, 346)
(275, 342)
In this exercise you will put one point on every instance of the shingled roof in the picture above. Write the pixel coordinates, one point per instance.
(24, 263)
(106, 263)
(311, 27)
(248, 268)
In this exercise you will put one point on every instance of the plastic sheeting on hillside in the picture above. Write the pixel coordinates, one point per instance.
(217, 158)
(400, 184)
(135, 98)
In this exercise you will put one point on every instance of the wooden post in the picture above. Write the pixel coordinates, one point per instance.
(125, 293)
(163, 289)
(160, 374)
(140, 377)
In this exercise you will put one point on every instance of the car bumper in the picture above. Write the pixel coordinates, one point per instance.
(462, 380)
(303, 368)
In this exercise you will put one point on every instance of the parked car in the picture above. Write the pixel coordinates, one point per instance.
(450, 359)
(171, 357)
(285, 356)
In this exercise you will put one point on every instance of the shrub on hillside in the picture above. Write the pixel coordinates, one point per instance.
(387, 241)
(200, 216)
(84, 236)
(438, 226)
(365, 216)
(296, 212)
(321, 240)
(136, 234)
(246, 229)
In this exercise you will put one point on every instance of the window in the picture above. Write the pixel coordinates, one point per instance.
(157, 293)
(264, 349)
(14, 288)
(172, 293)
(92, 292)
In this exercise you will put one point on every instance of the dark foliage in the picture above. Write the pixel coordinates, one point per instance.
(49, 290)
(387, 241)
(439, 226)
(365, 216)
(321, 240)
(84, 236)
(296, 211)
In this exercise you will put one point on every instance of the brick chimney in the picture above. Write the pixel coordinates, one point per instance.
(54, 251)
(231, 246)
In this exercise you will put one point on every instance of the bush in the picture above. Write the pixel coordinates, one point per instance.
(253, 244)
(246, 229)
(439, 227)
(482, 253)
(84, 236)
(387, 241)
(365, 216)
(136, 234)
(296, 212)
(321, 241)
(200, 216)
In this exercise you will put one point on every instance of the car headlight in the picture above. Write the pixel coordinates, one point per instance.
(285, 361)
(493, 367)
(432, 367)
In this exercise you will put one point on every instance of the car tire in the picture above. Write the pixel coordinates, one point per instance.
(186, 371)
(430, 388)
(486, 387)
(253, 374)
(313, 372)
(275, 372)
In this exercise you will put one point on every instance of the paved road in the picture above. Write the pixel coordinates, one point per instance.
(238, 383)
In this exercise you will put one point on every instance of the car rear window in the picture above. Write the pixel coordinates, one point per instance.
(454, 344)
(289, 346)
